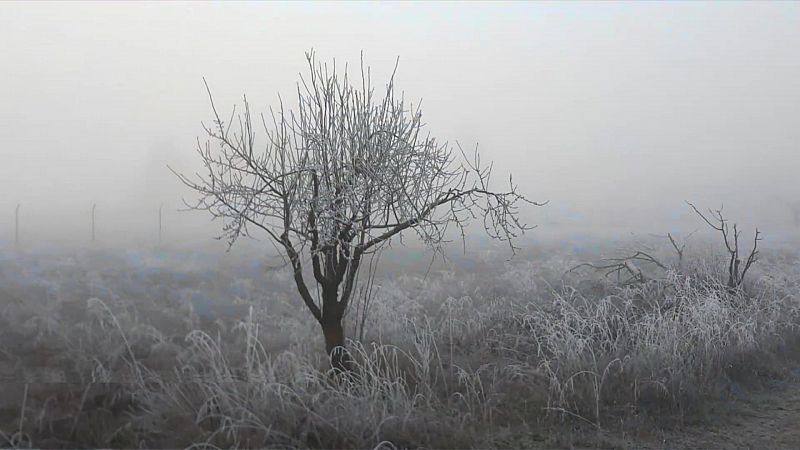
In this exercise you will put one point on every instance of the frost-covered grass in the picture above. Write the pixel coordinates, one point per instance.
(154, 349)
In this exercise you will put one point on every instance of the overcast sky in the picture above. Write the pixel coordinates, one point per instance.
(615, 112)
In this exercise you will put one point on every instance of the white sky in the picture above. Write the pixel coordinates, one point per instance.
(615, 112)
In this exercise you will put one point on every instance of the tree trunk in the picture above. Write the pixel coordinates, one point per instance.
(335, 345)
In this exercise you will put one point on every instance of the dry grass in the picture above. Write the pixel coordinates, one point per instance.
(129, 351)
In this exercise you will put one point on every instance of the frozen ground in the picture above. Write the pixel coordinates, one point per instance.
(166, 349)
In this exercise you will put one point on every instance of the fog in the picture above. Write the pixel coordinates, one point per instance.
(614, 112)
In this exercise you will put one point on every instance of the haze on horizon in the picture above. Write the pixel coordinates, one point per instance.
(614, 112)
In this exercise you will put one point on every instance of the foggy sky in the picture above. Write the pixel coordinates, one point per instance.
(615, 112)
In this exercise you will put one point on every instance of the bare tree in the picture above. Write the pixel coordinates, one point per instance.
(736, 271)
(337, 179)
(680, 249)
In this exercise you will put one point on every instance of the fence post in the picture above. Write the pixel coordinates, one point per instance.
(16, 225)
(94, 207)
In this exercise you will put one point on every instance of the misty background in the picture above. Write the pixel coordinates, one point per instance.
(614, 112)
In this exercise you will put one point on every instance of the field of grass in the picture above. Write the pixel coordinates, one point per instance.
(177, 349)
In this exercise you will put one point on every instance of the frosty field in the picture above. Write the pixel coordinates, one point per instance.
(177, 349)
(400, 225)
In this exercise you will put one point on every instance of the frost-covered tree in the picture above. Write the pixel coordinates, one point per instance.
(339, 177)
